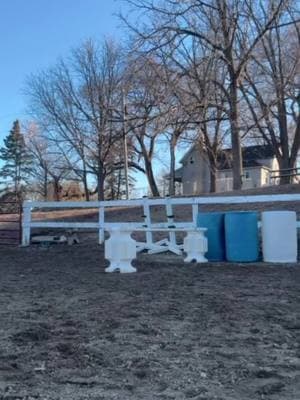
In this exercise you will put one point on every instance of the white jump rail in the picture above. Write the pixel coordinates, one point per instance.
(145, 203)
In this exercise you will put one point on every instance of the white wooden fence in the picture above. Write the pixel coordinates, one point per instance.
(145, 203)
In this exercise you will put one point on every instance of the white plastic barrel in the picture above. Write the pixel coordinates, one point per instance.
(279, 236)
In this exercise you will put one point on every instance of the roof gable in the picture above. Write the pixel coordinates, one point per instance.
(194, 147)
(251, 155)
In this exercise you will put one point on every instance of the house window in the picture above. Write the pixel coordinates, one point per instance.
(247, 174)
(191, 160)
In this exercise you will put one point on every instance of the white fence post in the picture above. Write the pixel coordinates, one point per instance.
(170, 219)
(101, 224)
(147, 219)
(26, 224)
(195, 209)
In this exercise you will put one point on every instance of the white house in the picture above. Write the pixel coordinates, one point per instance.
(194, 175)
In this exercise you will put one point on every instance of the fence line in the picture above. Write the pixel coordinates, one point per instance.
(145, 203)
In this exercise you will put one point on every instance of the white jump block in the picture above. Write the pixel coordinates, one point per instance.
(195, 246)
(120, 250)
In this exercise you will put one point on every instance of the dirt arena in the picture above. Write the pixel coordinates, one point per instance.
(171, 331)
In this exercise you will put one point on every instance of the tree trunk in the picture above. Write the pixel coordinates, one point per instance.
(112, 190)
(237, 167)
(285, 164)
(119, 184)
(213, 178)
(151, 178)
(100, 182)
(100, 171)
(16, 185)
(45, 189)
(284, 141)
(57, 190)
(85, 185)
(172, 166)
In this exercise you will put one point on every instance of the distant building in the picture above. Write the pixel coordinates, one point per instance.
(70, 190)
(194, 175)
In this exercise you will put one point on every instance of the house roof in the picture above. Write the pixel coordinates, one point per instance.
(251, 155)
(258, 152)
(178, 175)
(189, 152)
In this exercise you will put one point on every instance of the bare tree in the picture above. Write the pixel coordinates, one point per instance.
(144, 114)
(232, 28)
(173, 119)
(49, 167)
(204, 100)
(271, 91)
(78, 103)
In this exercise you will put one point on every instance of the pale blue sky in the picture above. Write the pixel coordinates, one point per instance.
(34, 33)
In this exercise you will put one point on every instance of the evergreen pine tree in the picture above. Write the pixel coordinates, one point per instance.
(17, 161)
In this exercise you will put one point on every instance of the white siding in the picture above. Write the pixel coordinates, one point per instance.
(195, 174)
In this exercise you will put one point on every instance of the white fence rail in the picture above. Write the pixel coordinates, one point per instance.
(145, 203)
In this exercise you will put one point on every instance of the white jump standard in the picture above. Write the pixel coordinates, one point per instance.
(121, 249)
(195, 246)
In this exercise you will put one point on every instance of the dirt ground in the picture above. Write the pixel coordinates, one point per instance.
(171, 331)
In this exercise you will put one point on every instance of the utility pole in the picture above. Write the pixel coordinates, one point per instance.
(125, 144)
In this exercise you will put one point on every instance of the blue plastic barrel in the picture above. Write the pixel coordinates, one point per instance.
(241, 236)
(214, 222)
